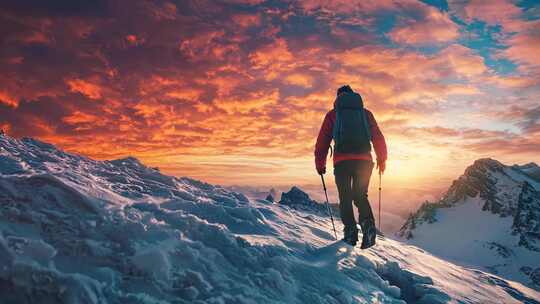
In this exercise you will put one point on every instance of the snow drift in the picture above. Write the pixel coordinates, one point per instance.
(75, 230)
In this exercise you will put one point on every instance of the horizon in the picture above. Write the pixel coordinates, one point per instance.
(399, 202)
(235, 93)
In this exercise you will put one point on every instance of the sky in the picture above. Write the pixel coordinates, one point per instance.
(234, 92)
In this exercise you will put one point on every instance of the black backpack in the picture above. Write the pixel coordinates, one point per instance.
(351, 130)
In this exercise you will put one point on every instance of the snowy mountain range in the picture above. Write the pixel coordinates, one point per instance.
(489, 218)
(76, 230)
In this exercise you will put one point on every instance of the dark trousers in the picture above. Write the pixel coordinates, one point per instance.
(352, 180)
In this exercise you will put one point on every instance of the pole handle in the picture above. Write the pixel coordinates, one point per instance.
(323, 184)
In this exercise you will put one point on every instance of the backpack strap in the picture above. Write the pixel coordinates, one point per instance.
(366, 124)
(337, 126)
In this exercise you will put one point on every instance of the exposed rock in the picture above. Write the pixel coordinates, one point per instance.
(535, 276)
(500, 249)
(295, 196)
(531, 169)
(502, 194)
(527, 218)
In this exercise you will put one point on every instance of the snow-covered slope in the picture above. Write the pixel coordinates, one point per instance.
(489, 218)
(74, 230)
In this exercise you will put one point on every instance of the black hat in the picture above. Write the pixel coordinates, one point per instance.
(345, 88)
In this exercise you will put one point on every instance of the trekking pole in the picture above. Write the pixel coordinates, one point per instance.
(380, 188)
(328, 206)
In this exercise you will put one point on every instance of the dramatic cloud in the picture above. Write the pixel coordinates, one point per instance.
(520, 34)
(8, 100)
(235, 91)
(494, 12)
(86, 88)
(524, 46)
(433, 27)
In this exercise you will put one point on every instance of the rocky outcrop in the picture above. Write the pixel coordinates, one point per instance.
(490, 189)
(479, 179)
(502, 193)
(298, 199)
(296, 196)
(527, 218)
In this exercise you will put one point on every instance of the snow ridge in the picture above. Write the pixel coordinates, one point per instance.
(75, 230)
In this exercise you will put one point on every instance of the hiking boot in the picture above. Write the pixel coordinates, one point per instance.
(369, 233)
(350, 235)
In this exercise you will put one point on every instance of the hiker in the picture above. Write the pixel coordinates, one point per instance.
(353, 129)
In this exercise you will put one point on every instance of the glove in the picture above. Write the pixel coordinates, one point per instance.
(381, 165)
(321, 171)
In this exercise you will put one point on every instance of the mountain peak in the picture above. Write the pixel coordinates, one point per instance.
(296, 196)
(491, 210)
(530, 165)
(485, 164)
(130, 160)
(38, 143)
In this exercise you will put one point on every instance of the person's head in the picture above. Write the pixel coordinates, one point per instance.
(343, 89)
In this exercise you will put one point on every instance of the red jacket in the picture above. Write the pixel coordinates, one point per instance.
(325, 138)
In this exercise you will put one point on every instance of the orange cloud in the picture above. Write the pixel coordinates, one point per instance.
(520, 34)
(247, 20)
(187, 94)
(494, 12)
(255, 101)
(84, 87)
(395, 76)
(435, 28)
(274, 58)
(455, 60)
(462, 60)
(299, 80)
(347, 6)
(201, 47)
(7, 99)
(511, 81)
(78, 117)
(524, 46)
(84, 121)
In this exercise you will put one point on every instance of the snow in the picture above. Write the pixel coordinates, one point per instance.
(462, 230)
(467, 229)
(516, 175)
(75, 230)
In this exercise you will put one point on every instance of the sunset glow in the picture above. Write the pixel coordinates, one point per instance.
(234, 92)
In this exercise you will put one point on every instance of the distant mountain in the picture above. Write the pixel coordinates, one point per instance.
(297, 198)
(256, 192)
(273, 193)
(488, 218)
